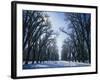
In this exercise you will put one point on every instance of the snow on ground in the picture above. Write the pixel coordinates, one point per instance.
(54, 64)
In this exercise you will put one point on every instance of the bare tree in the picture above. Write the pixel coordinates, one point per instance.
(79, 34)
(37, 33)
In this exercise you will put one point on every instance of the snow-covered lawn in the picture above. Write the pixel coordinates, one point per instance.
(54, 64)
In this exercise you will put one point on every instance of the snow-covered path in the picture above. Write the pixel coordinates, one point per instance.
(54, 64)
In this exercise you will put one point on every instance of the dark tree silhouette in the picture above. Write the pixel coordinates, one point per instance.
(37, 37)
(79, 34)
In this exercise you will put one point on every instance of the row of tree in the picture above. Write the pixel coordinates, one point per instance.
(77, 45)
(39, 42)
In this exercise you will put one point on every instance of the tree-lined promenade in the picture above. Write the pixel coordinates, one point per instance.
(39, 39)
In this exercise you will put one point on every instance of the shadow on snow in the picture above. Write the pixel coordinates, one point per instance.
(54, 64)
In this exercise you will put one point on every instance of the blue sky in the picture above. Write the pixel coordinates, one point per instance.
(57, 21)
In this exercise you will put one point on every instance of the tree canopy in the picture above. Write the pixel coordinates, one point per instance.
(77, 45)
(38, 37)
